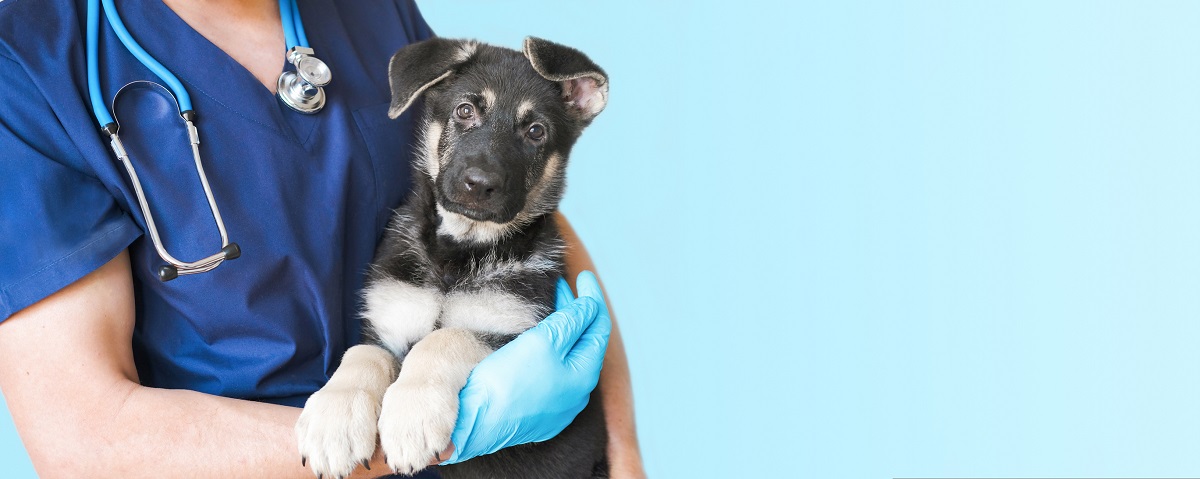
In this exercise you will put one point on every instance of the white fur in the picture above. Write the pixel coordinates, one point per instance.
(336, 430)
(466, 229)
(490, 311)
(543, 261)
(420, 408)
(400, 314)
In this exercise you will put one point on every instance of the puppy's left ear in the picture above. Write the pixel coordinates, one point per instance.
(584, 85)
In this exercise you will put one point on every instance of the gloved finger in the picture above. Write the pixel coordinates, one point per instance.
(563, 328)
(589, 285)
(468, 416)
(588, 352)
(562, 294)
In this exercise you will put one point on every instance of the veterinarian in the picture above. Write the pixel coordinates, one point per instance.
(110, 372)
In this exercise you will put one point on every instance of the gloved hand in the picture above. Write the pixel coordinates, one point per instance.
(533, 387)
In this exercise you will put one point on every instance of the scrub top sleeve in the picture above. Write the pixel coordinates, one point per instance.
(57, 221)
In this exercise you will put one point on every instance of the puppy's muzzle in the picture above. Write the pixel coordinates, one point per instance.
(478, 186)
(480, 191)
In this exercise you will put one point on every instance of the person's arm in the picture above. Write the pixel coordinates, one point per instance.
(67, 372)
(625, 458)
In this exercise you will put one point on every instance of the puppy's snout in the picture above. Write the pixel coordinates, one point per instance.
(480, 185)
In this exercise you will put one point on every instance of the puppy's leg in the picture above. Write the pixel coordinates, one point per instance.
(420, 408)
(336, 430)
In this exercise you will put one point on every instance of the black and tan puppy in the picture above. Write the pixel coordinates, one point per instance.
(469, 261)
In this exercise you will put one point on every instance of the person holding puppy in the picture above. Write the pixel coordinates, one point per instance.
(109, 371)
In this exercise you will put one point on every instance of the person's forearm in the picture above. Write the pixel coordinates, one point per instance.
(153, 432)
(616, 391)
(67, 370)
(195, 434)
(178, 430)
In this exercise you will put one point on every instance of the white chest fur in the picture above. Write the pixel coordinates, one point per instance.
(399, 314)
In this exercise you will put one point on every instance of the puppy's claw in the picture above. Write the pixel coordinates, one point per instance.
(367, 464)
(303, 461)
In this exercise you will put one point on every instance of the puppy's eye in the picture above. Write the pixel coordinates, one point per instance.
(536, 132)
(465, 111)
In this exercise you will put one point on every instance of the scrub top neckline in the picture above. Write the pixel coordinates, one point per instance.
(169, 39)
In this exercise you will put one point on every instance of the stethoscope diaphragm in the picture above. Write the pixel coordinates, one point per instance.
(303, 90)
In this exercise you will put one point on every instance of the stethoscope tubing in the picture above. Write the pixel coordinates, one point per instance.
(293, 31)
(93, 64)
(131, 44)
(298, 53)
(110, 126)
(178, 267)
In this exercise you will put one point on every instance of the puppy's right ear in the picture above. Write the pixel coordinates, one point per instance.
(418, 66)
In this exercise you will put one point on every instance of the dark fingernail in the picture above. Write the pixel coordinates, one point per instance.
(367, 464)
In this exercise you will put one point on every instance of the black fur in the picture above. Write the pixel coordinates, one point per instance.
(524, 174)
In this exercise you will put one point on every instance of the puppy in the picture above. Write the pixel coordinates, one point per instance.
(468, 263)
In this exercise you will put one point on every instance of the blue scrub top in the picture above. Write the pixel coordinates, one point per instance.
(306, 196)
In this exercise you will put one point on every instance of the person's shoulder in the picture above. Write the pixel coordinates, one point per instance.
(385, 17)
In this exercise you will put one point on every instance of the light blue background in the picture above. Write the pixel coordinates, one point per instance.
(889, 239)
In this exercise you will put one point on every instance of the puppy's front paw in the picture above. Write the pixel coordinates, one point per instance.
(415, 424)
(336, 430)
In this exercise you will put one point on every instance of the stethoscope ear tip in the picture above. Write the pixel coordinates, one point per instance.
(232, 251)
(167, 273)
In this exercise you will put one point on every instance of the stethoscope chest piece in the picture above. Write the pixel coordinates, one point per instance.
(300, 95)
(303, 90)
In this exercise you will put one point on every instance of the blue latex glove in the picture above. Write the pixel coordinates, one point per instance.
(533, 387)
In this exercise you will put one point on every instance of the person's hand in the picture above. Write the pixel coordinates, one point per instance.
(533, 387)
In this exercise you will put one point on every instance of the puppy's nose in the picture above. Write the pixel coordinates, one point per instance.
(479, 184)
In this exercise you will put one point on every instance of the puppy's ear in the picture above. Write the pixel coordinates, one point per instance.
(584, 85)
(418, 66)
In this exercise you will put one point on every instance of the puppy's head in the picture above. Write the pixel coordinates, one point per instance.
(499, 126)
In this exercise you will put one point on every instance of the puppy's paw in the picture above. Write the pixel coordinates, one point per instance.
(415, 424)
(336, 430)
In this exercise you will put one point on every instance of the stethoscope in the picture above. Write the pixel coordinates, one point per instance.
(300, 90)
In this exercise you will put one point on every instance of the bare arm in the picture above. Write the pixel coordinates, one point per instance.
(67, 372)
(623, 454)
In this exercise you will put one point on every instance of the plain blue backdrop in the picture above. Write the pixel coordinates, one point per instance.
(889, 239)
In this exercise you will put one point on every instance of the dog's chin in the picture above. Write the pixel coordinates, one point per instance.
(476, 214)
